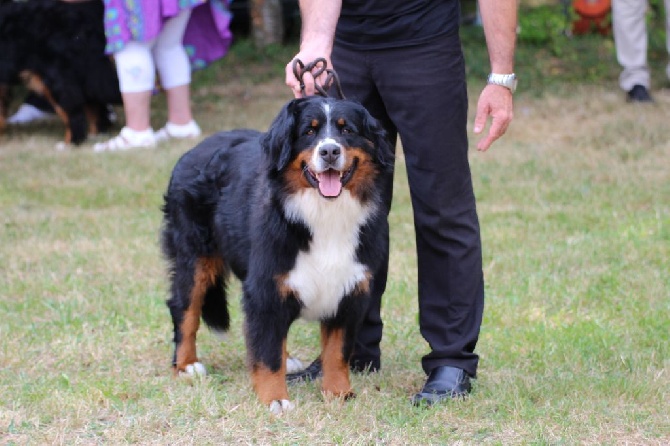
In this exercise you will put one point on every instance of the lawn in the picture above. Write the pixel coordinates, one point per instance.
(574, 204)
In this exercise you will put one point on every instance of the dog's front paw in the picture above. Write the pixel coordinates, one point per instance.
(195, 369)
(278, 407)
(344, 396)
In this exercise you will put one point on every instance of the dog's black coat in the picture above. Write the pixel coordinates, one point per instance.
(58, 50)
(236, 202)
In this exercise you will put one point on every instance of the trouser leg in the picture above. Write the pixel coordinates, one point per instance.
(431, 116)
(354, 72)
(630, 37)
(667, 34)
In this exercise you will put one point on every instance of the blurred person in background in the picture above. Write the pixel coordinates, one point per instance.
(629, 21)
(170, 37)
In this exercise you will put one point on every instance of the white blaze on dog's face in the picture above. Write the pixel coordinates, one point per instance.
(328, 160)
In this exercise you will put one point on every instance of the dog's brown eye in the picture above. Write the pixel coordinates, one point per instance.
(310, 132)
(346, 131)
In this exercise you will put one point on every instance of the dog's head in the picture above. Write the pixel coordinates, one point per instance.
(329, 145)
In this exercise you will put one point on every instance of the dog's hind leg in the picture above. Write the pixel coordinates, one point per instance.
(92, 114)
(193, 288)
(98, 117)
(77, 126)
(35, 83)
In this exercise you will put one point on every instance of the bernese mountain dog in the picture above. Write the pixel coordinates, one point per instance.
(57, 49)
(296, 214)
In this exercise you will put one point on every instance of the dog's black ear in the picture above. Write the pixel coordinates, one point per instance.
(375, 132)
(277, 143)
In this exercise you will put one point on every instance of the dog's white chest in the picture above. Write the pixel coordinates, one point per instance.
(328, 271)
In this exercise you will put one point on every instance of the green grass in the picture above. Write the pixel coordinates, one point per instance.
(574, 204)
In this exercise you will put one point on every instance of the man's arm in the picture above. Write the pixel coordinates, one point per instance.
(319, 19)
(499, 18)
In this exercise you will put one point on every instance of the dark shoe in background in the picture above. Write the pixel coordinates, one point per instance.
(444, 383)
(309, 373)
(365, 365)
(639, 93)
(314, 370)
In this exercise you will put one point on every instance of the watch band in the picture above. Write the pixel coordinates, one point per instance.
(508, 81)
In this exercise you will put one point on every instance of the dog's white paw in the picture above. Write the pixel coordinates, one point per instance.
(294, 365)
(195, 369)
(278, 407)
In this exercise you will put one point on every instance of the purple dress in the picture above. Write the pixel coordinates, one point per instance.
(207, 35)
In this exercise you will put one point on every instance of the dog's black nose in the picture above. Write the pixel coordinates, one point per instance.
(329, 153)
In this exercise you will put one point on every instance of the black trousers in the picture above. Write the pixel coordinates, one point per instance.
(419, 93)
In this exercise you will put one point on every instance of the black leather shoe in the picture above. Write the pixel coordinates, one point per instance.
(639, 93)
(443, 384)
(314, 371)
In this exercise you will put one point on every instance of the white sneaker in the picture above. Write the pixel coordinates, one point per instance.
(29, 113)
(127, 139)
(174, 131)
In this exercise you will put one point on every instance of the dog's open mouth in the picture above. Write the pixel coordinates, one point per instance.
(331, 181)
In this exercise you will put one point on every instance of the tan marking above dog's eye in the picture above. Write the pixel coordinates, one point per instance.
(341, 122)
(314, 123)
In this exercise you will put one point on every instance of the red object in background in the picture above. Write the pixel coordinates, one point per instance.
(594, 16)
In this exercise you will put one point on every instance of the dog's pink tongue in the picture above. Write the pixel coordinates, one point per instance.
(329, 183)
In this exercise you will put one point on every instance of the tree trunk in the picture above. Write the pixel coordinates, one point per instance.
(267, 26)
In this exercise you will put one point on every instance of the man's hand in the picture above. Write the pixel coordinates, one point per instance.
(306, 88)
(494, 101)
(319, 19)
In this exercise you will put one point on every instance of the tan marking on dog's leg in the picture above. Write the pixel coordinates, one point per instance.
(206, 272)
(363, 287)
(335, 381)
(35, 83)
(283, 288)
(270, 386)
(92, 119)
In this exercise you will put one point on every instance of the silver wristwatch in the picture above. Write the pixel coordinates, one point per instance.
(504, 80)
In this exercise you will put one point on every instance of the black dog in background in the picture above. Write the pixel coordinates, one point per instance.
(57, 49)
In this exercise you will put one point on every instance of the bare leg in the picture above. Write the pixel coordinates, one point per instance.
(179, 104)
(136, 106)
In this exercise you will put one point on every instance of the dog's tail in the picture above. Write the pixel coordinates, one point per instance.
(215, 309)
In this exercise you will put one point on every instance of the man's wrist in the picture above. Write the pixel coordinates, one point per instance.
(508, 81)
